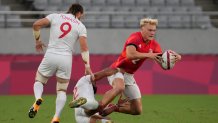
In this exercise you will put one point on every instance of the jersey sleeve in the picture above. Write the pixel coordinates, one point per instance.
(132, 40)
(50, 17)
(82, 30)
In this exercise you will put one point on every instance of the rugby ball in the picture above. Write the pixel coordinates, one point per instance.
(168, 60)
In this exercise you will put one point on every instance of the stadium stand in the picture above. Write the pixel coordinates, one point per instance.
(168, 11)
(142, 2)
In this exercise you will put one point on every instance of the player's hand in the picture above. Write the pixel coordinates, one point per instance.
(155, 56)
(158, 59)
(39, 46)
(176, 55)
(88, 71)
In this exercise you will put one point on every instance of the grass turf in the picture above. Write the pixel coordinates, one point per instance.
(156, 109)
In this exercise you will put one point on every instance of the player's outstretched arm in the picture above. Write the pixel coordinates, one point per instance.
(104, 73)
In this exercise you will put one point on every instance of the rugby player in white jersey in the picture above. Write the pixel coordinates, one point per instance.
(84, 93)
(65, 30)
(84, 99)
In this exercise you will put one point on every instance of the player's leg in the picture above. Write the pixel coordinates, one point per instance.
(134, 105)
(100, 119)
(46, 69)
(63, 74)
(117, 82)
(80, 116)
(84, 90)
(61, 98)
(38, 90)
(132, 92)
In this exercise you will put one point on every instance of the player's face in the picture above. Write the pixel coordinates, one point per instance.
(148, 31)
(80, 15)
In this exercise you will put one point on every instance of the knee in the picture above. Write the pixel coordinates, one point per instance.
(137, 110)
(119, 88)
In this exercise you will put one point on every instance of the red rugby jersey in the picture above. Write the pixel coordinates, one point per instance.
(135, 39)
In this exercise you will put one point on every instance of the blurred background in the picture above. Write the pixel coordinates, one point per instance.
(188, 27)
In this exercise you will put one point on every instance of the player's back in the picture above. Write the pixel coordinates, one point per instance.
(64, 32)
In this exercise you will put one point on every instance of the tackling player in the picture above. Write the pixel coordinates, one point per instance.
(84, 99)
(65, 30)
(84, 94)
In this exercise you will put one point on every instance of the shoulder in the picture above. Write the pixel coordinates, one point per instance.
(51, 16)
(134, 38)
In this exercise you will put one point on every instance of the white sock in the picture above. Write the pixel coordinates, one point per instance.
(60, 102)
(38, 89)
(104, 120)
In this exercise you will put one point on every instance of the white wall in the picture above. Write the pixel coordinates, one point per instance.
(102, 41)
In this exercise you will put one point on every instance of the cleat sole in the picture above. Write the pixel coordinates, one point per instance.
(77, 103)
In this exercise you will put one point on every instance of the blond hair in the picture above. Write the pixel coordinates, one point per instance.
(148, 21)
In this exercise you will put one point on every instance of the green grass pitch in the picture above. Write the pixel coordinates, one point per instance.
(156, 109)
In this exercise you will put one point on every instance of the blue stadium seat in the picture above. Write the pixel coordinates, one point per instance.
(158, 2)
(180, 9)
(128, 2)
(187, 2)
(2, 21)
(103, 21)
(202, 21)
(142, 2)
(117, 21)
(68, 2)
(52, 8)
(175, 21)
(162, 21)
(55, 2)
(40, 4)
(109, 9)
(137, 9)
(172, 2)
(114, 2)
(85, 2)
(5, 8)
(89, 21)
(131, 21)
(123, 9)
(99, 2)
(186, 21)
(14, 21)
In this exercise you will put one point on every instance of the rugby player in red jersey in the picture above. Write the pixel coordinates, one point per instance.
(138, 47)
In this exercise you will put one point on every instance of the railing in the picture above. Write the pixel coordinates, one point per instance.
(27, 17)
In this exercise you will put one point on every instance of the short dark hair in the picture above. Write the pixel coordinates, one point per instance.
(75, 8)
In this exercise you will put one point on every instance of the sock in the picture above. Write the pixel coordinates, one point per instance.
(117, 109)
(104, 121)
(60, 102)
(38, 89)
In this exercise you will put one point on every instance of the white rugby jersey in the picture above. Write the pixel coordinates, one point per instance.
(64, 32)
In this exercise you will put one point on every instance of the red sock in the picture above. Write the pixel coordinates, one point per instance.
(117, 109)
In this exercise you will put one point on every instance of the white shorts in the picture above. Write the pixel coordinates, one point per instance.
(84, 89)
(56, 64)
(131, 88)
